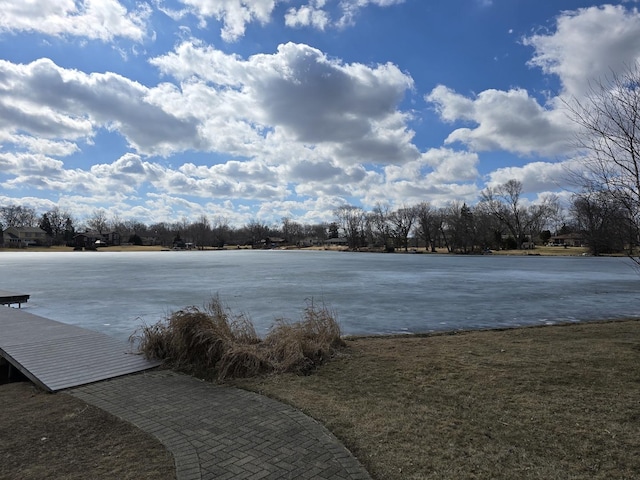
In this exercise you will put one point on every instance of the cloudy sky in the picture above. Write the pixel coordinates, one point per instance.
(160, 110)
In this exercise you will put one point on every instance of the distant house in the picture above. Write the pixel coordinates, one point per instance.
(336, 242)
(567, 240)
(96, 239)
(270, 242)
(21, 237)
(310, 242)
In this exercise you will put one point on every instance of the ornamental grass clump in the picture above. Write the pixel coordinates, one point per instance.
(302, 346)
(213, 342)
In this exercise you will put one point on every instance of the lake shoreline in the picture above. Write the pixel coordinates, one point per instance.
(538, 251)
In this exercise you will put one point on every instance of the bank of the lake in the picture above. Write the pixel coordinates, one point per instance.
(555, 251)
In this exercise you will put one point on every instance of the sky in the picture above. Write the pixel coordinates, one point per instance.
(255, 110)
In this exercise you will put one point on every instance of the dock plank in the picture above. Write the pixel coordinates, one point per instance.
(56, 356)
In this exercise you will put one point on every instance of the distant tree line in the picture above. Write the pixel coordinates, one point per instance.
(501, 220)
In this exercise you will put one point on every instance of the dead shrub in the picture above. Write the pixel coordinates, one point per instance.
(215, 342)
(300, 347)
(151, 341)
(194, 339)
(242, 361)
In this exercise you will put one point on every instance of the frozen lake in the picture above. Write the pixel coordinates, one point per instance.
(370, 293)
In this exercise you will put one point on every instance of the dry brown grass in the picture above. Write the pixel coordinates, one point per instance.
(300, 347)
(57, 436)
(215, 343)
(558, 402)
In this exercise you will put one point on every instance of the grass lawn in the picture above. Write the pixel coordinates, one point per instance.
(56, 436)
(554, 402)
(559, 402)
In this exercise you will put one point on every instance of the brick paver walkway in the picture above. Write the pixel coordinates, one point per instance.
(217, 432)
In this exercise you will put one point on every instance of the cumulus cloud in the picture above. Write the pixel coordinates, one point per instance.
(587, 44)
(293, 122)
(439, 175)
(102, 20)
(312, 15)
(535, 176)
(319, 100)
(234, 14)
(304, 96)
(510, 120)
(48, 101)
(116, 180)
(316, 13)
(437, 165)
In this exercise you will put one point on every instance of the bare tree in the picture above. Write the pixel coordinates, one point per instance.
(378, 221)
(428, 224)
(609, 122)
(351, 220)
(18, 216)
(292, 231)
(489, 228)
(220, 231)
(59, 221)
(504, 203)
(602, 219)
(257, 231)
(402, 221)
(98, 221)
(461, 229)
(200, 231)
(316, 232)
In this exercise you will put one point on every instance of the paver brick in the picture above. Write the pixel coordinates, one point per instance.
(217, 432)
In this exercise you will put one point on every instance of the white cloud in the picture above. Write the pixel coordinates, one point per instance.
(234, 14)
(451, 166)
(42, 146)
(588, 44)
(308, 15)
(291, 123)
(297, 94)
(511, 121)
(351, 8)
(585, 46)
(51, 102)
(437, 165)
(95, 19)
(439, 175)
(535, 176)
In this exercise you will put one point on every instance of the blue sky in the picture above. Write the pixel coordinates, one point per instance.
(256, 110)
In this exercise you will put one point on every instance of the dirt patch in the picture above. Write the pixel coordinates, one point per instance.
(53, 436)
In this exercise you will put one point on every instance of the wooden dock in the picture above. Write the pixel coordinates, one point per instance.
(56, 356)
(9, 298)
